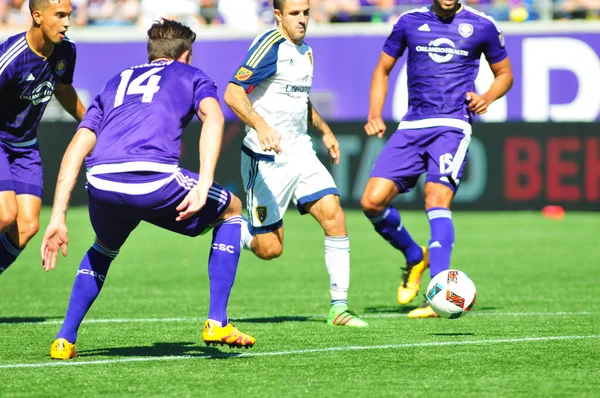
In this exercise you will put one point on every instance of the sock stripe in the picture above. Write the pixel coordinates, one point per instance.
(379, 217)
(339, 301)
(439, 213)
(107, 253)
(230, 221)
(15, 251)
(333, 243)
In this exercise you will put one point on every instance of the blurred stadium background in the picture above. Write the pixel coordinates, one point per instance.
(539, 145)
(255, 13)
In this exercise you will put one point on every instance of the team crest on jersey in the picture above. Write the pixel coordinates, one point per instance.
(501, 39)
(310, 57)
(42, 93)
(61, 66)
(465, 29)
(261, 213)
(243, 74)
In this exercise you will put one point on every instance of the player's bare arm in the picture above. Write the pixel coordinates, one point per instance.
(237, 99)
(211, 137)
(329, 140)
(70, 101)
(503, 80)
(379, 88)
(56, 235)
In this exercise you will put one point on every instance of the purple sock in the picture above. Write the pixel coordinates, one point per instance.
(442, 239)
(222, 266)
(389, 225)
(88, 283)
(8, 252)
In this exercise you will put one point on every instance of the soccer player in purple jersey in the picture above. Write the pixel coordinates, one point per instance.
(34, 65)
(133, 131)
(444, 43)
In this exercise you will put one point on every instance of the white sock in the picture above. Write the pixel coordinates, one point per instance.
(337, 260)
(246, 237)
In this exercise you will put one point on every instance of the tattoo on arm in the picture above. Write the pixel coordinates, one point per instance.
(248, 107)
(317, 121)
(315, 118)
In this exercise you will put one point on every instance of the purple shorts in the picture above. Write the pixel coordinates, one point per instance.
(114, 215)
(439, 151)
(21, 170)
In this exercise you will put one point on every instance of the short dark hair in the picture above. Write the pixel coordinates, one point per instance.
(278, 4)
(169, 39)
(39, 5)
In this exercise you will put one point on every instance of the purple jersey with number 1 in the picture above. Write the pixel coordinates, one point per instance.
(133, 173)
(443, 62)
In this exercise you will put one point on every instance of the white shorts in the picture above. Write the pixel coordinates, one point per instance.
(270, 186)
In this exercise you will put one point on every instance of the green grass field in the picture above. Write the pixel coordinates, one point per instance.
(534, 331)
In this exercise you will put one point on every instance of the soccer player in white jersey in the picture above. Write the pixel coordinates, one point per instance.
(270, 94)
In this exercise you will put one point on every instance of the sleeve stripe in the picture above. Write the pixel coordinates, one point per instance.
(264, 50)
(8, 60)
(262, 44)
(12, 49)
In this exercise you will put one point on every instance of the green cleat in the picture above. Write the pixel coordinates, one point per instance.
(339, 315)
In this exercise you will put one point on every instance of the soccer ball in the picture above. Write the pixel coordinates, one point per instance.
(451, 294)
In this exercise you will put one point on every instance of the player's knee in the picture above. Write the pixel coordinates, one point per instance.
(27, 230)
(7, 219)
(234, 208)
(267, 246)
(269, 252)
(371, 204)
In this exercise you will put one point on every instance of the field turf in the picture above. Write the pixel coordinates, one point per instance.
(534, 331)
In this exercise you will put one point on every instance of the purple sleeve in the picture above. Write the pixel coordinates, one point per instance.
(204, 87)
(6, 77)
(93, 116)
(493, 45)
(396, 42)
(67, 78)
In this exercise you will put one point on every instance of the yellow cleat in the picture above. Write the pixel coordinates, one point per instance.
(423, 311)
(229, 335)
(62, 349)
(411, 279)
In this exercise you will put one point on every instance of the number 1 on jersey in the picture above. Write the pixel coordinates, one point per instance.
(137, 87)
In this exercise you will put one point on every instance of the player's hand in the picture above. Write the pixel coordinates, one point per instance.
(193, 202)
(375, 126)
(55, 238)
(477, 103)
(333, 147)
(270, 140)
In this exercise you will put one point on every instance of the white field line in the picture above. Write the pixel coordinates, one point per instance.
(292, 318)
(296, 352)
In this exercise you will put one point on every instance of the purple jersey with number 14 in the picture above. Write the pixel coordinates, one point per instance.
(140, 114)
(133, 173)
